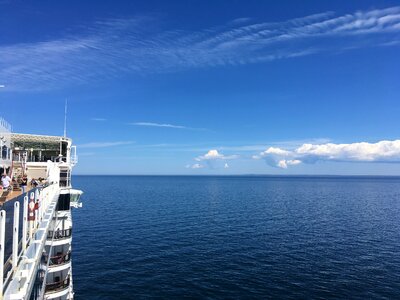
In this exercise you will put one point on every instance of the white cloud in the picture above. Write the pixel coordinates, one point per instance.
(214, 155)
(112, 48)
(272, 151)
(105, 144)
(98, 119)
(226, 166)
(195, 166)
(285, 163)
(382, 151)
(164, 125)
(151, 124)
(277, 151)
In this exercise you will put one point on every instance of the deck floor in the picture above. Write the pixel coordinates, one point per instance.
(14, 194)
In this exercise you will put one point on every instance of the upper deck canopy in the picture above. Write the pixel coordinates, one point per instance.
(36, 141)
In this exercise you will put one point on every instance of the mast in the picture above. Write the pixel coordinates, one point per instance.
(65, 118)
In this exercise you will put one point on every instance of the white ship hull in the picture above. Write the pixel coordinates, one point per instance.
(36, 226)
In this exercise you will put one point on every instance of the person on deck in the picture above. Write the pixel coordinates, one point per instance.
(34, 182)
(5, 181)
(24, 183)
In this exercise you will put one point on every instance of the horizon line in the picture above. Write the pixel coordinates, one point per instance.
(242, 175)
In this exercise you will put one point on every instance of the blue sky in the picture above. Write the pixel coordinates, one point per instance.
(208, 87)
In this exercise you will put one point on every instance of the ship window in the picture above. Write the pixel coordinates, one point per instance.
(63, 202)
(64, 146)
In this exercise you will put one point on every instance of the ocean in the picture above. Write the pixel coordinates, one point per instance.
(205, 237)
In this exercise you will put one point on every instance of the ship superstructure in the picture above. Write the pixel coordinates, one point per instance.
(35, 217)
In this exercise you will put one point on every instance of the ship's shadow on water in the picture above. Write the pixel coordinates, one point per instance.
(237, 237)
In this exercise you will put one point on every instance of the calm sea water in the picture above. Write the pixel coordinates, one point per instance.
(237, 237)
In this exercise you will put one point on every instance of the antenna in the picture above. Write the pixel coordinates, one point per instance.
(65, 118)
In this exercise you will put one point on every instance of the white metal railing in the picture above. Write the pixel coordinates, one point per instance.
(5, 125)
(2, 243)
(20, 158)
(19, 281)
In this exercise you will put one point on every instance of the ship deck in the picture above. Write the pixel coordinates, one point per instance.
(14, 194)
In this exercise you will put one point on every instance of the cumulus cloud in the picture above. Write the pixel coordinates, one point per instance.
(215, 155)
(290, 162)
(382, 151)
(276, 151)
(215, 160)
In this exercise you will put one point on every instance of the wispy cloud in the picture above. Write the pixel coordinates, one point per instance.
(111, 48)
(98, 119)
(195, 166)
(105, 144)
(152, 124)
(382, 151)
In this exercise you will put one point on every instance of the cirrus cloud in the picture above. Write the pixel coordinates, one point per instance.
(112, 48)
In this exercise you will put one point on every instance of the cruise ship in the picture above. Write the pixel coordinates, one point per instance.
(35, 217)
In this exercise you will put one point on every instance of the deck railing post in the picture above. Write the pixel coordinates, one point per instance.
(2, 245)
(31, 223)
(36, 210)
(15, 235)
(25, 224)
(41, 207)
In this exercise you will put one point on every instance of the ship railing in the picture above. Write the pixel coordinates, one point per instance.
(59, 234)
(12, 223)
(60, 259)
(27, 240)
(36, 158)
(57, 286)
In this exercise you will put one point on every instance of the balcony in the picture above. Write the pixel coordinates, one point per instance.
(59, 234)
(60, 259)
(57, 286)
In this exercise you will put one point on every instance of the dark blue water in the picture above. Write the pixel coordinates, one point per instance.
(237, 237)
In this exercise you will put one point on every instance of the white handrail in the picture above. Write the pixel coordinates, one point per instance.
(15, 236)
(25, 224)
(23, 277)
(2, 245)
